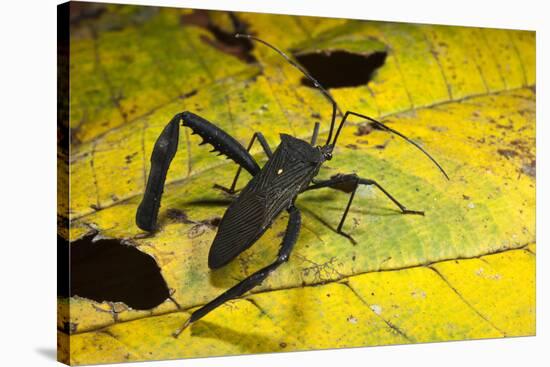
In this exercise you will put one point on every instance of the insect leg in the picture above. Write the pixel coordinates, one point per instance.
(163, 153)
(221, 141)
(349, 183)
(165, 150)
(291, 235)
(267, 150)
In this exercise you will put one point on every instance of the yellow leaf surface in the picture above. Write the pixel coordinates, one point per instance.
(418, 304)
(466, 94)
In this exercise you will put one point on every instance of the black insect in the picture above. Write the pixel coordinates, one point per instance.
(290, 170)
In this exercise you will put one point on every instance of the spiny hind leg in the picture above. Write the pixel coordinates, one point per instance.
(164, 151)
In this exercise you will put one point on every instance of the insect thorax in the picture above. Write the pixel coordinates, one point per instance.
(301, 149)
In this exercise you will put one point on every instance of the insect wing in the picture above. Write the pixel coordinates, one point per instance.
(270, 192)
(241, 226)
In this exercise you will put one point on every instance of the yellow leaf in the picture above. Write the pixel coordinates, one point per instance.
(465, 94)
(418, 304)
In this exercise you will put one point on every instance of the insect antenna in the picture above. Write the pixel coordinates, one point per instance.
(389, 129)
(304, 71)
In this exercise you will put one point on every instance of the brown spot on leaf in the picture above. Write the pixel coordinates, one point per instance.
(439, 129)
(382, 146)
(505, 127)
(200, 227)
(129, 157)
(178, 216)
(224, 39)
(364, 129)
(196, 231)
(530, 169)
(507, 153)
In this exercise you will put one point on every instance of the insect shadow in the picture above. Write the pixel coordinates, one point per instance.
(253, 342)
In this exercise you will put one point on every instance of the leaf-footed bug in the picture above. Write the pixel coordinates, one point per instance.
(289, 171)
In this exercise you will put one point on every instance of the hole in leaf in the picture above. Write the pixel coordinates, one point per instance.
(339, 69)
(108, 270)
